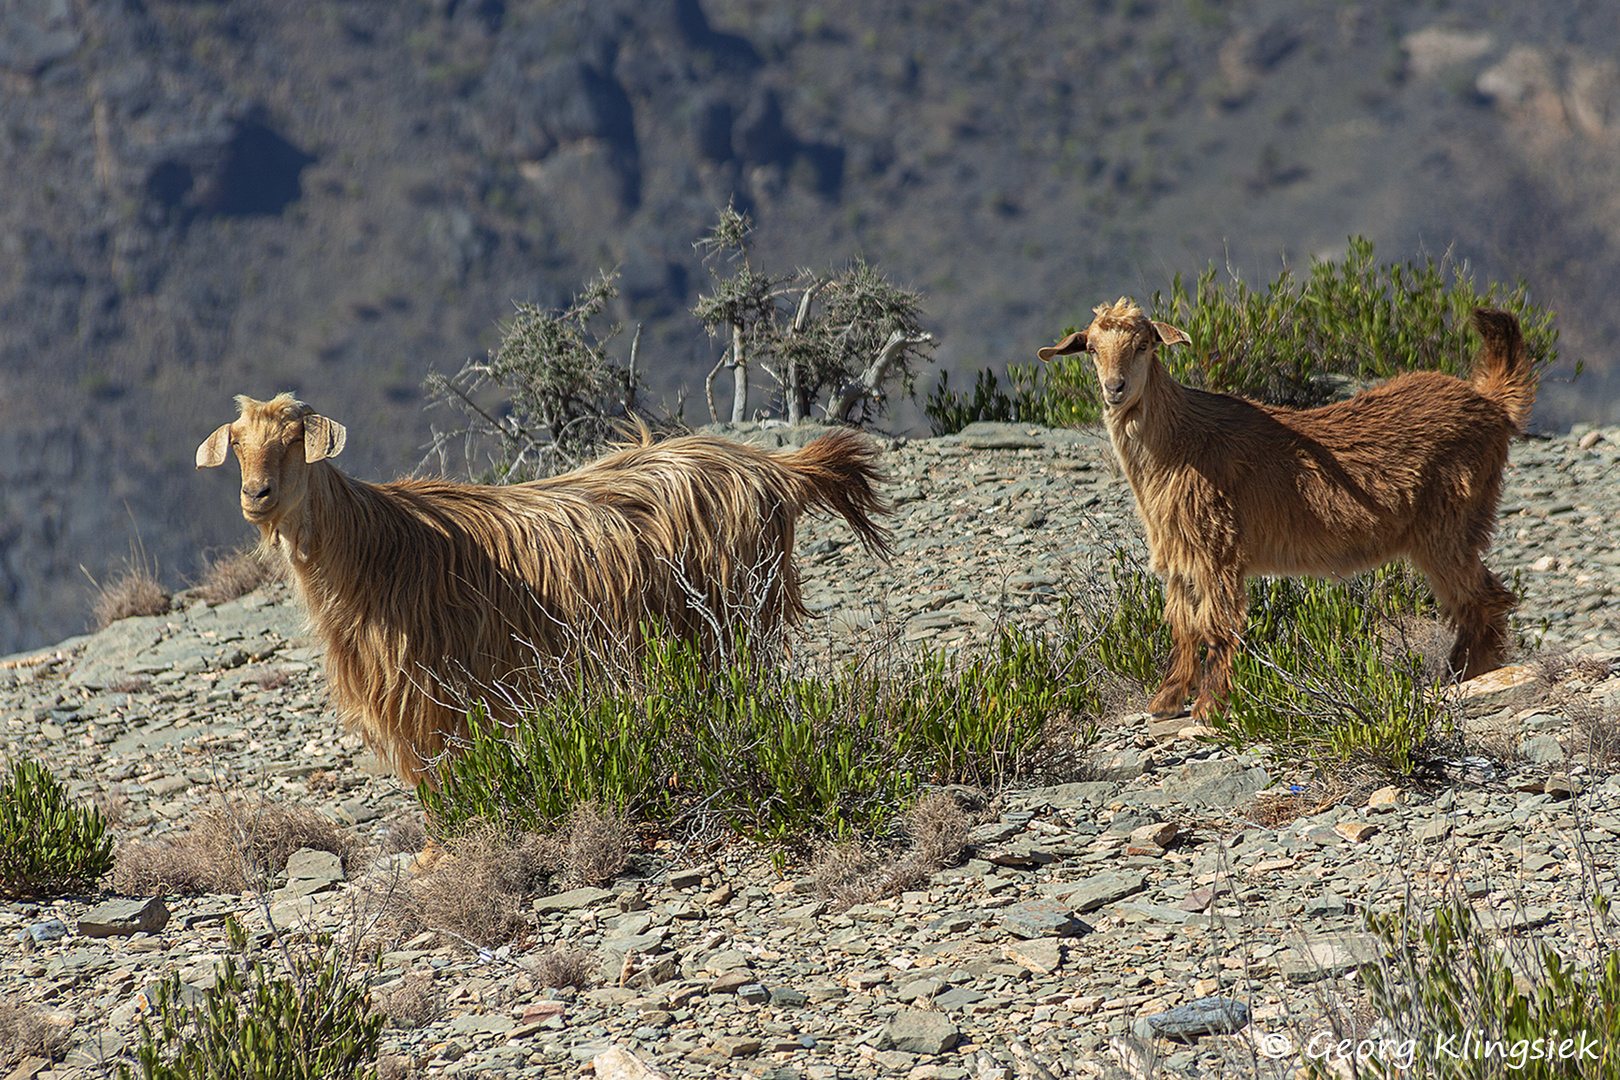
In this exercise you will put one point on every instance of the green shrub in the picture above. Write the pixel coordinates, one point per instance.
(48, 845)
(1055, 394)
(1446, 984)
(1295, 342)
(776, 755)
(313, 1024)
(1324, 669)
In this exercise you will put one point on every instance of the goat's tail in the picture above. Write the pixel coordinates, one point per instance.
(839, 474)
(1502, 372)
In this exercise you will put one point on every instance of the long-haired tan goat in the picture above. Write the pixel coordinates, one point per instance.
(424, 590)
(1227, 488)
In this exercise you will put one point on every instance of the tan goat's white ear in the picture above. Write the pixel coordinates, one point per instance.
(214, 448)
(1171, 335)
(323, 438)
(1075, 342)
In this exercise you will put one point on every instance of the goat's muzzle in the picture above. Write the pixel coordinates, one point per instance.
(257, 501)
(1114, 391)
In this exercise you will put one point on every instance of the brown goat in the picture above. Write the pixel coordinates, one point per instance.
(424, 591)
(1227, 488)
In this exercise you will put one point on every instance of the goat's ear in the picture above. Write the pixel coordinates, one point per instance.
(214, 448)
(323, 438)
(1171, 335)
(1075, 342)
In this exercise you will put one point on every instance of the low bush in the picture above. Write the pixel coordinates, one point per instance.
(773, 754)
(1451, 1004)
(48, 844)
(314, 1023)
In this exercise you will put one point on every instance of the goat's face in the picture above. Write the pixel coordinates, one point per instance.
(1123, 344)
(275, 442)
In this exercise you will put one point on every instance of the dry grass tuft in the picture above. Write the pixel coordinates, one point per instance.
(135, 591)
(130, 684)
(229, 850)
(406, 834)
(594, 846)
(26, 1032)
(473, 891)
(937, 830)
(275, 679)
(237, 574)
(562, 966)
(411, 1002)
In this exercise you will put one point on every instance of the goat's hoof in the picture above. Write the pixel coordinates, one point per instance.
(1169, 714)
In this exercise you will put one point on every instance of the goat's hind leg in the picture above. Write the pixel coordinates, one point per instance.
(1182, 676)
(1476, 602)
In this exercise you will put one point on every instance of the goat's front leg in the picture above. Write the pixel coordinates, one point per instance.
(1182, 676)
(1222, 610)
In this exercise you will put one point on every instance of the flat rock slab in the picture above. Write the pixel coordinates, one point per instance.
(1215, 783)
(120, 918)
(1323, 958)
(571, 900)
(310, 864)
(1094, 892)
(915, 1031)
(1040, 955)
(1042, 919)
(1205, 1016)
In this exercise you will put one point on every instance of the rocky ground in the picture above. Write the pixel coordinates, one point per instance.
(1177, 874)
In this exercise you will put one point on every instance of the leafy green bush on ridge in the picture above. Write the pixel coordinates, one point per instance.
(1284, 344)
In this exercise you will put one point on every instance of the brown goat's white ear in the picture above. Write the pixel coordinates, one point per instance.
(1075, 342)
(323, 438)
(214, 448)
(1171, 335)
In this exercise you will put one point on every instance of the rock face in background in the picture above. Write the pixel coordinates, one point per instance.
(249, 196)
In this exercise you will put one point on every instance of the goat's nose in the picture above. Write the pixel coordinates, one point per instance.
(1114, 387)
(255, 492)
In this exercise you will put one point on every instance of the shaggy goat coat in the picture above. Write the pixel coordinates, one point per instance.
(1227, 488)
(426, 591)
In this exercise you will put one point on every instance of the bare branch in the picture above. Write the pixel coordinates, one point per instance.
(872, 377)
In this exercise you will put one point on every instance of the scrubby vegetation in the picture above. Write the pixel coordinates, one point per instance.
(776, 755)
(1295, 342)
(1525, 1011)
(313, 1023)
(49, 845)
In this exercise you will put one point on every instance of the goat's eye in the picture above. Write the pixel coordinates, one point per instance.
(1142, 346)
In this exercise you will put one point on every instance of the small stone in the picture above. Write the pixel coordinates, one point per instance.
(1542, 749)
(919, 988)
(572, 900)
(1385, 798)
(725, 960)
(1590, 439)
(1040, 955)
(1093, 892)
(617, 1063)
(786, 996)
(736, 1046)
(914, 1031)
(1355, 831)
(43, 932)
(1159, 835)
(753, 993)
(121, 918)
(1433, 830)
(730, 982)
(1559, 786)
(1205, 1016)
(310, 864)
(1041, 919)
